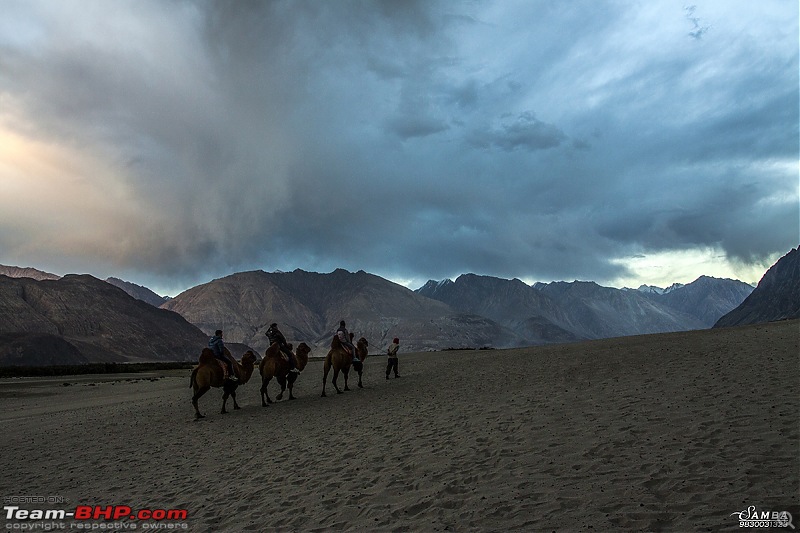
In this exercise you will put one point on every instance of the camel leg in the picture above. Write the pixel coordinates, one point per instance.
(291, 379)
(282, 383)
(264, 393)
(197, 395)
(324, 379)
(230, 390)
(359, 367)
(224, 401)
(233, 395)
(346, 372)
(335, 376)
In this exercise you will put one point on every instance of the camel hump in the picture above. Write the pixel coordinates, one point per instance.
(206, 357)
(274, 350)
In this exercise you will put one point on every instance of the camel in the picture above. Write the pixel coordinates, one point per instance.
(276, 365)
(340, 360)
(208, 373)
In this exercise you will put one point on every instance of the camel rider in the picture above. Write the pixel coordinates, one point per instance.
(218, 347)
(346, 339)
(274, 335)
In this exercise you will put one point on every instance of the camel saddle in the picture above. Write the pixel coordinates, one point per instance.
(224, 368)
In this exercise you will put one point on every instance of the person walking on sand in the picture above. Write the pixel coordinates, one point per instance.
(218, 347)
(391, 351)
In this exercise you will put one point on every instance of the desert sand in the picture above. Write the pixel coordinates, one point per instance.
(670, 432)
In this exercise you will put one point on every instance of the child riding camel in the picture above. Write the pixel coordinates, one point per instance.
(346, 339)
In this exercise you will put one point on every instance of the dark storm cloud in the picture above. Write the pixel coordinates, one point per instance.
(407, 127)
(414, 140)
(524, 131)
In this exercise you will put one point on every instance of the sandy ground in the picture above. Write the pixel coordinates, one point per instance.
(662, 432)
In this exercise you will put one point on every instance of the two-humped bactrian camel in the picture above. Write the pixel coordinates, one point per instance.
(276, 365)
(340, 360)
(208, 373)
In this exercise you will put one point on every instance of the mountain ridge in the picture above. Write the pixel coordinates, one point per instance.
(308, 307)
(586, 310)
(138, 291)
(85, 319)
(776, 297)
(26, 272)
(473, 311)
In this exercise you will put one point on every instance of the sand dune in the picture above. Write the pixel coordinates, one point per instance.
(662, 432)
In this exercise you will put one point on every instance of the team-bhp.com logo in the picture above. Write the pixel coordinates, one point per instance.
(121, 514)
(752, 517)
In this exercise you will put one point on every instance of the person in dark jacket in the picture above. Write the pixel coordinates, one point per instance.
(218, 347)
(274, 335)
(391, 351)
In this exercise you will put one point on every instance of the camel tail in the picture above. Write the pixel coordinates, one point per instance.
(193, 379)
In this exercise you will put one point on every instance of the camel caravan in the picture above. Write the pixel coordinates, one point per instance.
(217, 368)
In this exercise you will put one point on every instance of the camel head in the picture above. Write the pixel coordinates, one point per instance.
(362, 347)
(247, 366)
(249, 358)
(302, 355)
(303, 348)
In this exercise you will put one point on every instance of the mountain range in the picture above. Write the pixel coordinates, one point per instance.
(308, 307)
(561, 311)
(473, 311)
(83, 319)
(137, 291)
(78, 319)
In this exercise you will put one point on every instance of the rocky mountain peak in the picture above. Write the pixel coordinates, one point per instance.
(777, 296)
(26, 272)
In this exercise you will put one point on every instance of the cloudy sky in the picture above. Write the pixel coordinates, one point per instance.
(172, 142)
